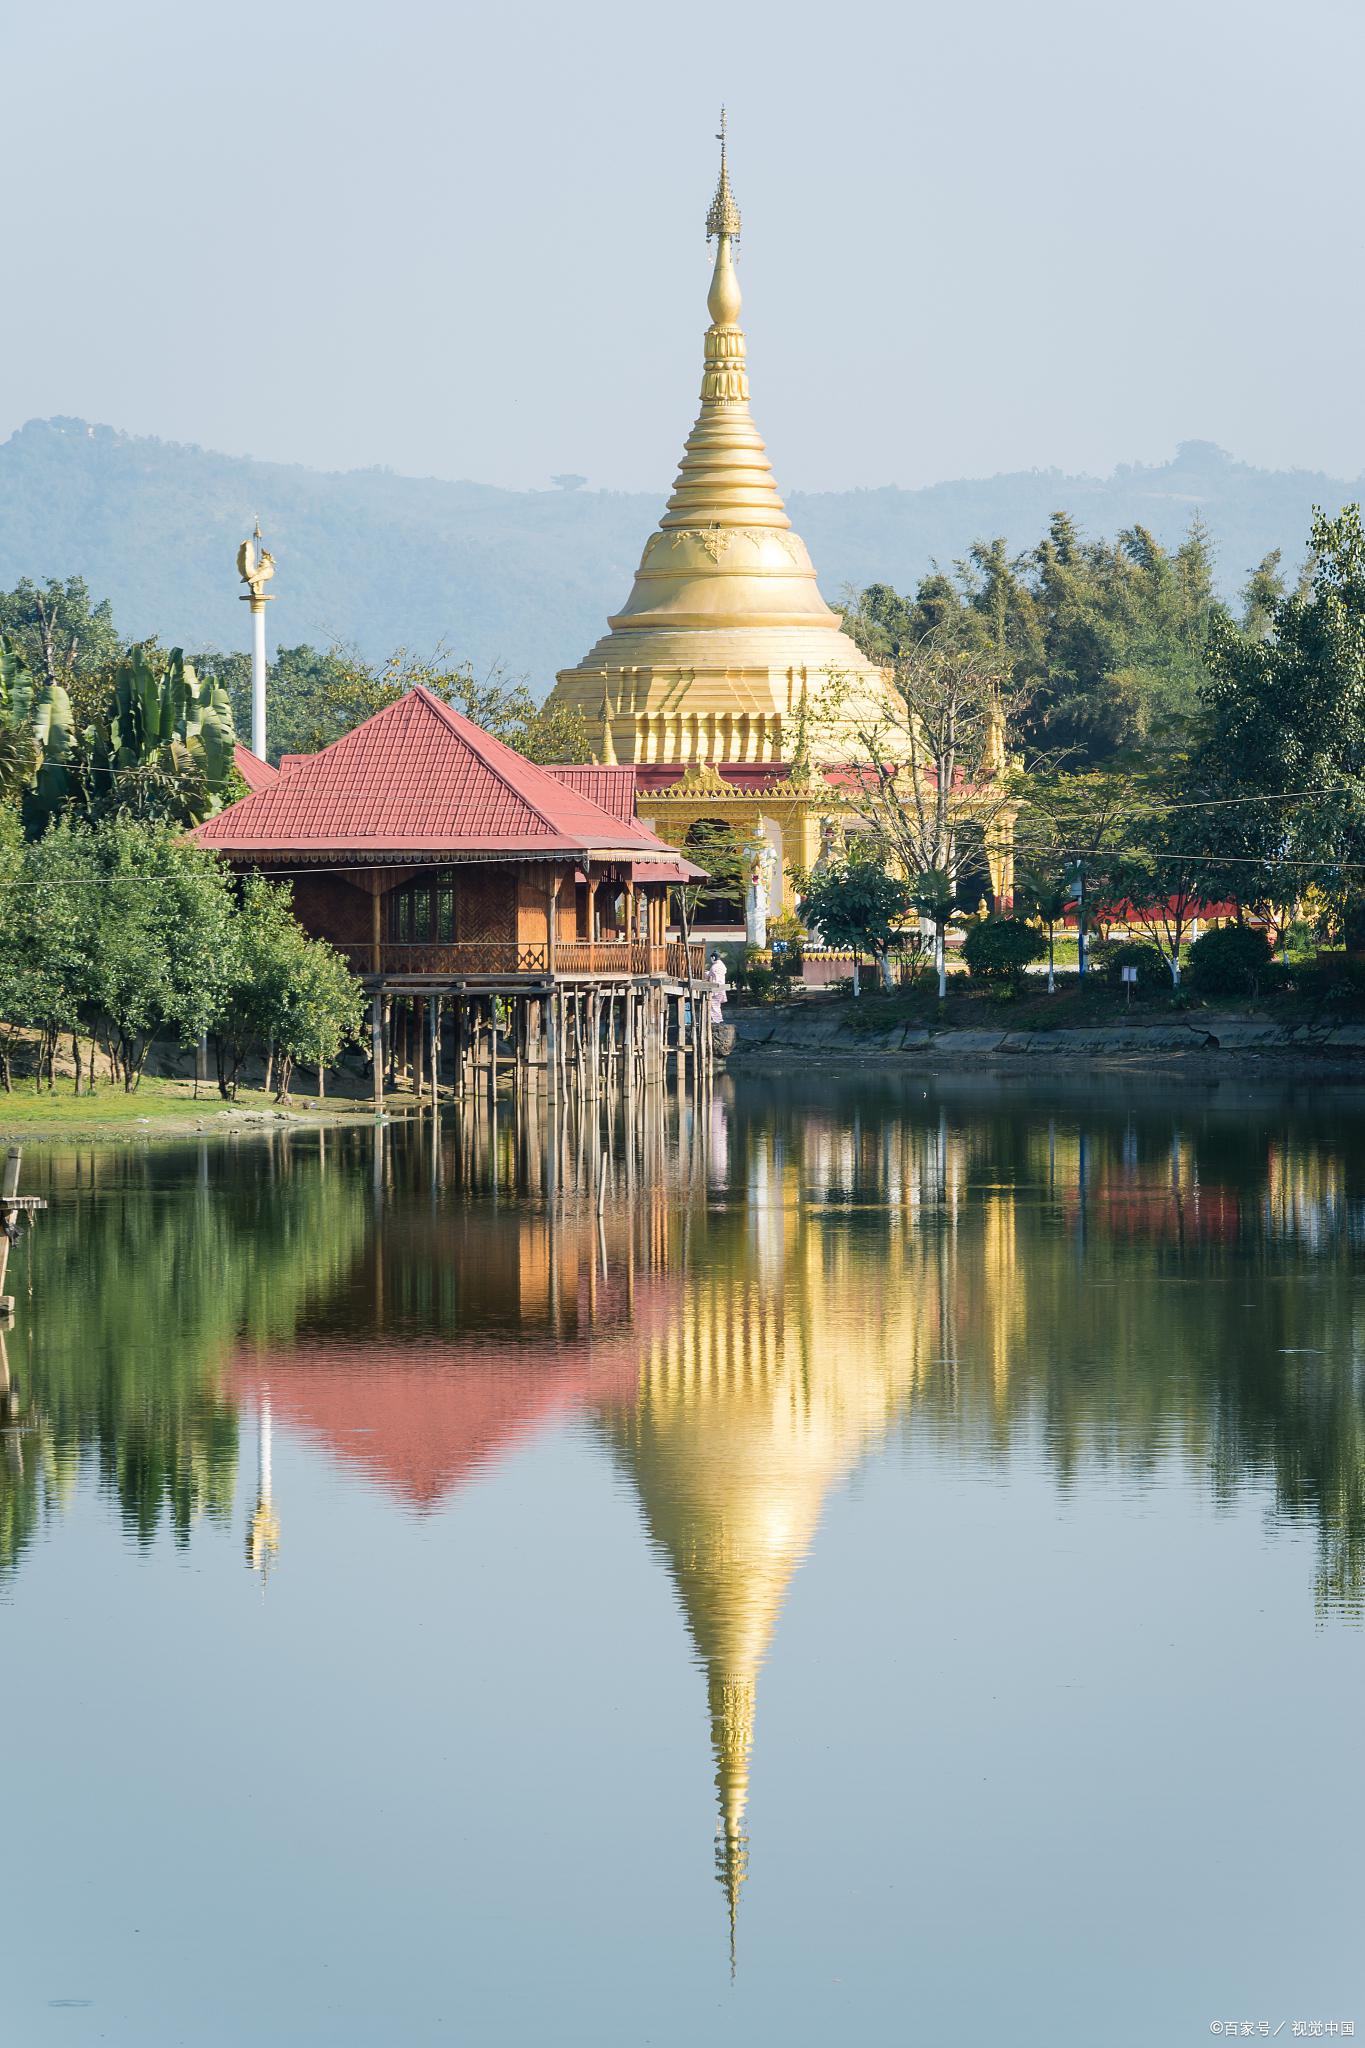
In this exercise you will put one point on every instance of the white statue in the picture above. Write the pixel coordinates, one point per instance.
(762, 862)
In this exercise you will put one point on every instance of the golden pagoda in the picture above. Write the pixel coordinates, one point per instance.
(705, 677)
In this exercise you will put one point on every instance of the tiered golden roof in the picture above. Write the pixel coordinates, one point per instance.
(725, 634)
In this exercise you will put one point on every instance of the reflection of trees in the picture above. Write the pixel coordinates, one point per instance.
(145, 1270)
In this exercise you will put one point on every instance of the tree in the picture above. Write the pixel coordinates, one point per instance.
(46, 902)
(1002, 949)
(18, 743)
(1043, 893)
(281, 990)
(307, 689)
(157, 935)
(62, 637)
(1163, 886)
(161, 748)
(322, 1012)
(931, 776)
(1103, 640)
(1265, 588)
(165, 749)
(716, 846)
(1284, 739)
(1230, 959)
(316, 696)
(857, 903)
(254, 990)
(934, 898)
(1074, 831)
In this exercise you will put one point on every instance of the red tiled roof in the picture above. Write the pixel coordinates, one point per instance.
(255, 773)
(611, 789)
(419, 777)
(747, 777)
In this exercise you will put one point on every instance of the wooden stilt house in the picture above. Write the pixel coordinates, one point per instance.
(450, 871)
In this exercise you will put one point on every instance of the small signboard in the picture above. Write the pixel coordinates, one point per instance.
(1129, 973)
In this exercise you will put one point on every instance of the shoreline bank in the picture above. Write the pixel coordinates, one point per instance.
(27, 1119)
(1211, 1044)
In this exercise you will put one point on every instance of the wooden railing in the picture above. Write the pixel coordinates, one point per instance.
(625, 956)
(495, 957)
(500, 959)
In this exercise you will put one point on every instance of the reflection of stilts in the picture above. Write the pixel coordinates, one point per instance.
(9, 1393)
(12, 1207)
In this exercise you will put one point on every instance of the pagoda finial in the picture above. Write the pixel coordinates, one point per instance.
(725, 376)
(723, 219)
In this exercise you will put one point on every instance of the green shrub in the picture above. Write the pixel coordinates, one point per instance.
(1230, 960)
(1001, 949)
(753, 975)
(786, 941)
(1152, 971)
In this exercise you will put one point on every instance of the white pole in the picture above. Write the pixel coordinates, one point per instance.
(258, 680)
(256, 566)
(263, 1450)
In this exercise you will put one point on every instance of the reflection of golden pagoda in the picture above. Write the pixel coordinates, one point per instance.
(706, 673)
(742, 1427)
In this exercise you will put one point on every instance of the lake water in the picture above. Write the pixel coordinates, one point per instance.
(897, 1577)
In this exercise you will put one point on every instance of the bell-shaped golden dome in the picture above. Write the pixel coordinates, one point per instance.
(725, 637)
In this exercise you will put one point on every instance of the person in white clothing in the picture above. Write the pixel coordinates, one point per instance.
(715, 974)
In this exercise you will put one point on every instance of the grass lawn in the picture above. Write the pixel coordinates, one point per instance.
(157, 1106)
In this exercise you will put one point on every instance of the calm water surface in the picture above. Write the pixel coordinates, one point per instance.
(897, 1577)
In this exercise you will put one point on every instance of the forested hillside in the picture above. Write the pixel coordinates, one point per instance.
(526, 578)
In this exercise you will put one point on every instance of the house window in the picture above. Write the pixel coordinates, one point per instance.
(423, 910)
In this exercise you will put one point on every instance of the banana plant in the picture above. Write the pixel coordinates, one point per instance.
(40, 738)
(165, 746)
(170, 730)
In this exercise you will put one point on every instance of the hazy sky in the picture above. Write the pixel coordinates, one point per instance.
(468, 241)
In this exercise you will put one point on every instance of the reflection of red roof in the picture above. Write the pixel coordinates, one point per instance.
(255, 773)
(1161, 1215)
(422, 1419)
(419, 777)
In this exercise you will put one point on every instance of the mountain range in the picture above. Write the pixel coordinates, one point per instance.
(377, 561)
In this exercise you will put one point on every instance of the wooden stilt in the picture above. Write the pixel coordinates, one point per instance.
(377, 1048)
(552, 1043)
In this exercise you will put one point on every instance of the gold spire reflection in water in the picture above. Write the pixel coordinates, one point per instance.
(778, 1372)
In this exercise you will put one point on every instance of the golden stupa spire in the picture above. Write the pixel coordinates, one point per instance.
(723, 219)
(725, 622)
(725, 479)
